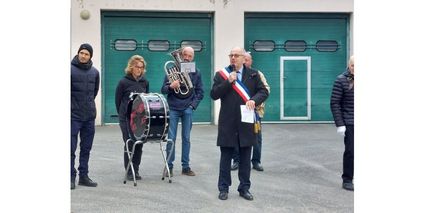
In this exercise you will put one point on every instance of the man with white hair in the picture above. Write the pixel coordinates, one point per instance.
(256, 150)
(238, 87)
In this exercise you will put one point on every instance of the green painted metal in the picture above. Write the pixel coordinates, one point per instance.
(325, 66)
(146, 26)
(295, 88)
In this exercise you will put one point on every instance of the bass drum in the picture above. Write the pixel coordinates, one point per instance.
(147, 117)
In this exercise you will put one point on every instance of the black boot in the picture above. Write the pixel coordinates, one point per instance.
(86, 181)
(72, 182)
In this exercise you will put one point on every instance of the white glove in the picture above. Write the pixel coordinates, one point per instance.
(341, 130)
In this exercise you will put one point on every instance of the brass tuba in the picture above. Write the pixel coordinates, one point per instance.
(174, 73)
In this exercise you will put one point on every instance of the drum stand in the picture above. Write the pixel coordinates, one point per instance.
(166, 170)
(163, 149)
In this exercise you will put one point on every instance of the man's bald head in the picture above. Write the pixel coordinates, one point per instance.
(188, 54)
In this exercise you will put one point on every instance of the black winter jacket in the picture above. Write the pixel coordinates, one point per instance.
(84, 88)
(125, 87)
(342, 99)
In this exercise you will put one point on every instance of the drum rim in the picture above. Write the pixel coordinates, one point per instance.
(145, 133)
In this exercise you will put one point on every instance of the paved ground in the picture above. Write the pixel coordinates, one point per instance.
(302, 162)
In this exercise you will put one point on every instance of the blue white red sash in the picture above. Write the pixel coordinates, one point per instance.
(238, 86)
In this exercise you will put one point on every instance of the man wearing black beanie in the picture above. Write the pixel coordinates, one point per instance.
(84, 88)
(86, 47)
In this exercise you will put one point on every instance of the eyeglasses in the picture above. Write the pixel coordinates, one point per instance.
(234, 55)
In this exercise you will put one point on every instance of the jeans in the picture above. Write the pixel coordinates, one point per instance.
(86, 131)
(186, 120)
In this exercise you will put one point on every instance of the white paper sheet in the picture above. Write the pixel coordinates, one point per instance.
(188, 67)
(247, 115)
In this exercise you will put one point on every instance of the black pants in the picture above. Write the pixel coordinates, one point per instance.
(348, 160)
(137, 156)
(244, 172)
(256, 151)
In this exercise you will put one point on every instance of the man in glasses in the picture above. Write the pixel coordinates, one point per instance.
(256, 150)
(238, 88)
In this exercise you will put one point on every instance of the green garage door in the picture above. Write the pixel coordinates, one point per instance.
(153, 36)
(300, 55)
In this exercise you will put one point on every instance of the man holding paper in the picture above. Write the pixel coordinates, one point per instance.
(239, 89)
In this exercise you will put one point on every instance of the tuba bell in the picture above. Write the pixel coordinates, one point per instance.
(174, 73)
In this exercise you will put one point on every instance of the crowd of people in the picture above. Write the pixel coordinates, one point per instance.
(242, 91)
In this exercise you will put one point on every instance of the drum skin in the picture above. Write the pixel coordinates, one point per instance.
(148, 117)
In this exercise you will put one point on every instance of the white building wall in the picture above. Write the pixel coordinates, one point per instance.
(228, 23)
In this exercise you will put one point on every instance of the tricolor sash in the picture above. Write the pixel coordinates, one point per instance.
(238, 86)
(241, 89)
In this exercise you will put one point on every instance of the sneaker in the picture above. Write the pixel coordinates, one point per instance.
(166, 173)
(86, 181)
(187, 171)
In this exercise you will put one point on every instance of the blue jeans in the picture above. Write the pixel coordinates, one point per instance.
(86, 131)
(186, 119)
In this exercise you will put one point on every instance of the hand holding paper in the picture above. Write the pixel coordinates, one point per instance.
(247, 115)
(250, 104)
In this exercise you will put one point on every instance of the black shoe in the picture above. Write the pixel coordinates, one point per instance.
(130, 176)
(72, 184)
(258, 167)
(348, 186)
(166, 173)
(223, 195)
(246, 195)
(138, 177)
(86, 181)
(235, 166)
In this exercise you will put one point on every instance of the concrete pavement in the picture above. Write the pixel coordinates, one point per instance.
(302, 173)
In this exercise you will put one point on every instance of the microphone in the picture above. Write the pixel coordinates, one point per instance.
(234, 71)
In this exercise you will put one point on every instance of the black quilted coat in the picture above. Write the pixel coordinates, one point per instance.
(342, 99)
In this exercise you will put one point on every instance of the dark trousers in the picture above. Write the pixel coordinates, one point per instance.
(348, 160)
(86, 131)
(256, 151)
(244, 172)
(137, 156)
